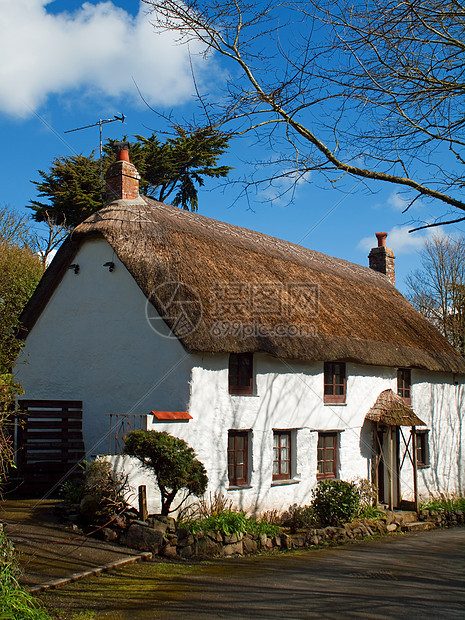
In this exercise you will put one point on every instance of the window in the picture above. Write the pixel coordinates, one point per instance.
(241, 373)
(237, 457)
(327, 456)
(281, 455)
(334, 382)
(404, 384)
(422, 444)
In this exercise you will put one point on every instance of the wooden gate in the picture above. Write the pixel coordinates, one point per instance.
(49, 443)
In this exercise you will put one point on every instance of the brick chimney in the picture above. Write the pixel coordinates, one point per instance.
(382, 259)
(122, 178)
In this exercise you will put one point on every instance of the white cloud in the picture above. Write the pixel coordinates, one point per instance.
(98, 48)
(401, 241)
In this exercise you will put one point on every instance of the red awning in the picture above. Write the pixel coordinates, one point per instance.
(172, 415)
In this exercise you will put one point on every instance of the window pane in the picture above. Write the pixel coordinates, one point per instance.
(240, 442)
(285, 467)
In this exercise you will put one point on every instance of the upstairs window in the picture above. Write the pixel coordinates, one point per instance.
(238, 446)
(241, 373)
(281, 455)
(334, 382)
(404, 384)
(327, 456)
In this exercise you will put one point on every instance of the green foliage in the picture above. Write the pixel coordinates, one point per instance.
(229, 522)
(20, 271)
(171, 460)
(73, 188)
(15, 602)
(175, 168)
(335, 501)
(451, 502)
(100, 494)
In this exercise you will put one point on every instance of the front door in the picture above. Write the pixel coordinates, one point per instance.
(386, 475)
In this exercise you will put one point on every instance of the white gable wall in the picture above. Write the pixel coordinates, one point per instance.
(93, 343)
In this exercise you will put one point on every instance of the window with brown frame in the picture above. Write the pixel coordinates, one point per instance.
(241, 373)
(422, 445)
(334, 382)
(327, 455)
(281, 455)
(404, 384)
(238, 442)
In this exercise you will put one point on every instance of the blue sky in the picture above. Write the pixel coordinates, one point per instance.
(67, 64)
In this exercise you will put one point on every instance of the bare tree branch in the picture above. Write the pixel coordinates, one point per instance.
(370, 88)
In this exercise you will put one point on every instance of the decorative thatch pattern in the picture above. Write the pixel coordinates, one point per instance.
(348, 312)
(389, 408)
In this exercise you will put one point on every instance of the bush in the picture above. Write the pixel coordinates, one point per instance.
(15, 602)
(335, 501)
(299, 517)
(100, 494)
(171, 461)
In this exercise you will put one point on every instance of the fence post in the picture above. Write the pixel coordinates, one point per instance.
(143, 512)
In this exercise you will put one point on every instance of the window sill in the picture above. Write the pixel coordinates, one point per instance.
(334, 404)
(281, 483)
(241, 487)
(244, 395)
(423, 465)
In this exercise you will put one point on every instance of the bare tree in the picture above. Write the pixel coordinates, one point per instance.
(46, 243)
(438, 287)
(371, 89)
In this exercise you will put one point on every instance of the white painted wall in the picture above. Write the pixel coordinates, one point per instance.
(93, 343)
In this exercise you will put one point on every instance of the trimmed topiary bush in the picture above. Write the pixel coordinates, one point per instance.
(171, 461)
(335, 501)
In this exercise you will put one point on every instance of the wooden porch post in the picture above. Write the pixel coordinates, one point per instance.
(415, 468)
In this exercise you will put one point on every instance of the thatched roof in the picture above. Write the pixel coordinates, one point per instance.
(238, 277)
(389, 408)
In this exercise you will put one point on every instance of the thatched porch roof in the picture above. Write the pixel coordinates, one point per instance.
(341, 311)
(390, 409)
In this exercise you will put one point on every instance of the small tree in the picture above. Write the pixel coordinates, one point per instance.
(173, 463)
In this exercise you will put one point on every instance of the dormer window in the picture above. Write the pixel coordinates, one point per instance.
(404, 384)
(241, 373)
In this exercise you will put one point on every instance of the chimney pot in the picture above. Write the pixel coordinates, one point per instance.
(381, 236)
(122, 151)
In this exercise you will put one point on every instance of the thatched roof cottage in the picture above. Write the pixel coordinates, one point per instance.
(279, 365)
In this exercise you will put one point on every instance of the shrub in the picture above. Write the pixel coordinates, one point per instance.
(299, 517)
(100, 494)
(335, 501)
(172, 462)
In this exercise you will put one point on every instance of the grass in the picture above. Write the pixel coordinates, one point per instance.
(451, 502)
(135, 591)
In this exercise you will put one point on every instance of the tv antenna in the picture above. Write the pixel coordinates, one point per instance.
(101, 121)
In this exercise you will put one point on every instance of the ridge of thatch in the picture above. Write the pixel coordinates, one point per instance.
(389, 408)
(331, 309)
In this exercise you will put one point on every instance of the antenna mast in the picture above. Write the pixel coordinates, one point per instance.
(102, 121)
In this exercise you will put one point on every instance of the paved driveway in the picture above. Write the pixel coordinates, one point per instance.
(412, 576)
